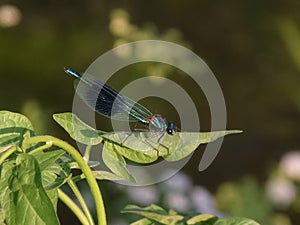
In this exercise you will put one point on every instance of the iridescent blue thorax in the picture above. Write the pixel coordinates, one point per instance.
(157, 123)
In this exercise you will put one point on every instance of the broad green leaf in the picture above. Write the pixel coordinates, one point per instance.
(134, 155)
(54, 173)
(236, 221)
(77, 129)
(105, 175)
(145, 147)
(53, 196)
(2, 217)
(189, 141)
(48, 158)
(144, 221)
(115, 162)
(172, 212)
(12, 127)
(54, 177)
(10, 119)
(26, 138)
(63, 169)
(23, 197)
(154, 212)
(6, 148)
(143, 142)
(208, 218)
(66, 160)
(151, 208)
(93, 164)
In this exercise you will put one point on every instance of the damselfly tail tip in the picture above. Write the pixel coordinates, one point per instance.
(71, 72)
(66, 69)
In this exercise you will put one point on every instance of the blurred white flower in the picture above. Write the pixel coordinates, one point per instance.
(179, 182)
(143, 195)
(290, 164)
(178, 201)
(281, 191)
(202, 200)
(9, 16)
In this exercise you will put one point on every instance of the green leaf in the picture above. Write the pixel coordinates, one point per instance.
(189, 141)
(6, 148)
(204, 218)
(54, 177)
(134, 155)
(55, 172)
(145, 147)
(12, 128)
(154, 212)
(115, 162)
(93, 163)
(144, 221)
(53, 196)
(77, 129)
(2, 217)
(22, 196)
(236, 221)
(48, 158)
(105, 175)
(142, 142)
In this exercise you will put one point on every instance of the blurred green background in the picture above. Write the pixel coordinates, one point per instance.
(253, 48)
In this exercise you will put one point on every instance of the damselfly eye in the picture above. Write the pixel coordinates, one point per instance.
(171, 128)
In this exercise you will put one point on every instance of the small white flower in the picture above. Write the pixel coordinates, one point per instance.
(202, 199)
(290, 164)
(178, 201)
(281, 191)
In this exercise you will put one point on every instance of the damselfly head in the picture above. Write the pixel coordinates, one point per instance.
(171, 128)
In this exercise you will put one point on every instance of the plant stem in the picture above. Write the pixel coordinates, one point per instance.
(77, 193)
(78, 178)
(87, 153)
(75, 209)
(41, 148)
(84, 168)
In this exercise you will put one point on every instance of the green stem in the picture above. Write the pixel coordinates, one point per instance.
(84, 168)
(77, 193)
(7, 153)
(78, 178)
(41, 148)
(75, 209)
(87, 153)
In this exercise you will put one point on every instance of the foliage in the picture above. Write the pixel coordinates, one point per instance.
(120, 145)
(157, 215)
(35, 167)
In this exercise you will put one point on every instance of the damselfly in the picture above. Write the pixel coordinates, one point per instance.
(108, 102)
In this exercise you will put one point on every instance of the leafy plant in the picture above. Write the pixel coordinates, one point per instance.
(33, 169)
(157, 215)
